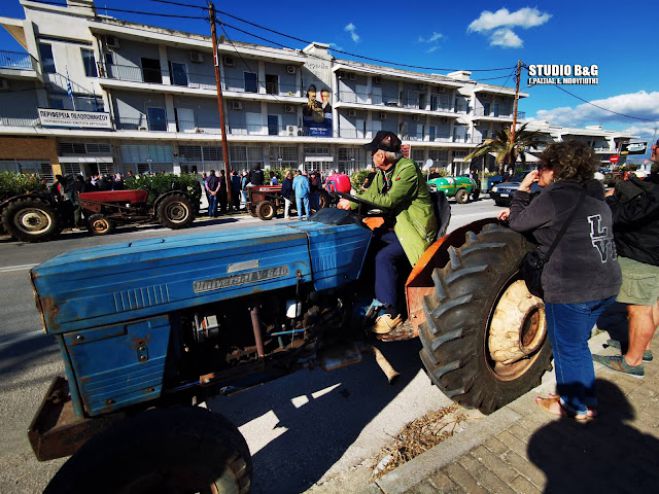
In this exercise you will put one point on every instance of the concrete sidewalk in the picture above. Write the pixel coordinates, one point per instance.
(521, 449)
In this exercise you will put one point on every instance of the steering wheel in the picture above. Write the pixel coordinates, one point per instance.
(366, 208)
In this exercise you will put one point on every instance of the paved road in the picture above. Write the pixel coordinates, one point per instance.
(305, 427)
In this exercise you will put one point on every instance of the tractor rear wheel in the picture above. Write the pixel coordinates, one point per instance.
(485, 338)
(99, 224)
(265, 210)
(461, 196)
(175, 211)
(179, 450)
(31, 219)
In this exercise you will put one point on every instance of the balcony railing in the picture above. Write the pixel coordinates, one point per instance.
(19, 122)
(258, 130)
(131, 73)
(497, 113)
(16, 60)
(239, 85)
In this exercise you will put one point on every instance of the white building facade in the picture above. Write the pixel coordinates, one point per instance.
(118, 96)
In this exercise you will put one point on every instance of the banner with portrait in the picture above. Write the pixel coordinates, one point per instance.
(317, 112)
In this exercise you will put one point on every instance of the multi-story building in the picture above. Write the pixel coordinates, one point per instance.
(100, 94)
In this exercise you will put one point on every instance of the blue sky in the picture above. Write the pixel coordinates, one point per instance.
(620, 37)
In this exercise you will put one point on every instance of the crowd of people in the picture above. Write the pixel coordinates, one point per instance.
(300, 186)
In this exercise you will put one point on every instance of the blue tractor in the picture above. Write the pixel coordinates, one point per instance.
(150, 328)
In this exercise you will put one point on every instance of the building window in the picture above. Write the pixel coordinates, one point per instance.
(44, 170)
(47, 59)
(179, 74)
(79, 148)
(283, 156)
(271, 84)
(151, 70)
(250, 82)
(156, 118)
(89, 62)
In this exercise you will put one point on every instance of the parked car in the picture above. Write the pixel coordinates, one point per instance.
(503, 191)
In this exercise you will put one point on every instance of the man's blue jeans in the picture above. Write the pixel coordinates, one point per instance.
(212, 206)
(298, 202)
(386, 270)
(569, 327)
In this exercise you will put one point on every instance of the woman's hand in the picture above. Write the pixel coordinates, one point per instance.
(503, 215)
(344, 204)
(528, 181)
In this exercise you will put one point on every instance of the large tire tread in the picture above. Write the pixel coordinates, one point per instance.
(14, 207)
(457, 314)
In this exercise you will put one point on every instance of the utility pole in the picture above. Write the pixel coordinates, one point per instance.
(220, 101)
(513, 129)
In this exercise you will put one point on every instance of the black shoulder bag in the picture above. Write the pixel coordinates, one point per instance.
(534, 262)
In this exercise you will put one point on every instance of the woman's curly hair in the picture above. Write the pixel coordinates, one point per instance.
(570, 160)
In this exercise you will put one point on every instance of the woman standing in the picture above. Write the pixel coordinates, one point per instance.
(582, 276)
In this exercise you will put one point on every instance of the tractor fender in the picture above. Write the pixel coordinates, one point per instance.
(27, 195)
(419, 283)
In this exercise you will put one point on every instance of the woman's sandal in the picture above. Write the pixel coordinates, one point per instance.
(552, 405)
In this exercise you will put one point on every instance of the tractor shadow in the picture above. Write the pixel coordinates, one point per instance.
(18, 356)
(607, 455)
(314, 416)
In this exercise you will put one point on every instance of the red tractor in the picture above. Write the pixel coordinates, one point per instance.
(106, 209)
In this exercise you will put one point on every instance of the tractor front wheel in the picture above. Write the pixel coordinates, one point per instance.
(461, 196)
(31, 220)
(485, 337)
(175, 211)
(99, 224)
(265, 210)
(179, 450)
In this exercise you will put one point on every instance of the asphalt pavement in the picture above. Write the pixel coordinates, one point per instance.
(305, 428)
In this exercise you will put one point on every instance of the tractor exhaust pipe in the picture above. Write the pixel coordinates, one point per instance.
(256, 327)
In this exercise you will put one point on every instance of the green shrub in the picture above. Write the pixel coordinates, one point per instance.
(357, 179)
(14, 183)
(159, 184)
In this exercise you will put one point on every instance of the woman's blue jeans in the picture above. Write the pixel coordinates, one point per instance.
(569, 327)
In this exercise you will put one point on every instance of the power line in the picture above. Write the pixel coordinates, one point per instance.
(357, 55)
(128, 11)
(633, 117)
(180, 4)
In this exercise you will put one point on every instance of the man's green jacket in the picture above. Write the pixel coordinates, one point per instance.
(407, 194)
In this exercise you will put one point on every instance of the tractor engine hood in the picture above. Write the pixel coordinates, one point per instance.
(120, 282)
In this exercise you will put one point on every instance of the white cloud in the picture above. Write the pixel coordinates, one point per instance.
(498, 25)
(435, 36)
(525, 18)
(335, 46)
(352, 29)
(641, 104)
(432, 49)
(505, 38)
(644, 131)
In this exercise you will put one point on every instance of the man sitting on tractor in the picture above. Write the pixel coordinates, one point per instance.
(399, 187)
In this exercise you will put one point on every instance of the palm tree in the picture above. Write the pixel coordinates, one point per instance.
(507, 152)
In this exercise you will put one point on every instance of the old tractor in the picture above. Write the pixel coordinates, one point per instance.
(104, 210)
(462, 188)
(149, 328)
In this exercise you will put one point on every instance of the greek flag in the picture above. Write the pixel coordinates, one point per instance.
(69, 89)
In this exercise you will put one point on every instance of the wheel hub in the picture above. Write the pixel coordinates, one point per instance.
(177, 212)
(33, 221)
(517, 331)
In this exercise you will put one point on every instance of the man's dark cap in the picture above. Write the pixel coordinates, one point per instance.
(387, 141)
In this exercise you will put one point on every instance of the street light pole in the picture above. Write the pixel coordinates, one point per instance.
(220, 101)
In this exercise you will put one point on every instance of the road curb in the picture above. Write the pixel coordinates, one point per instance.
(415, 471)
(411, 473)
